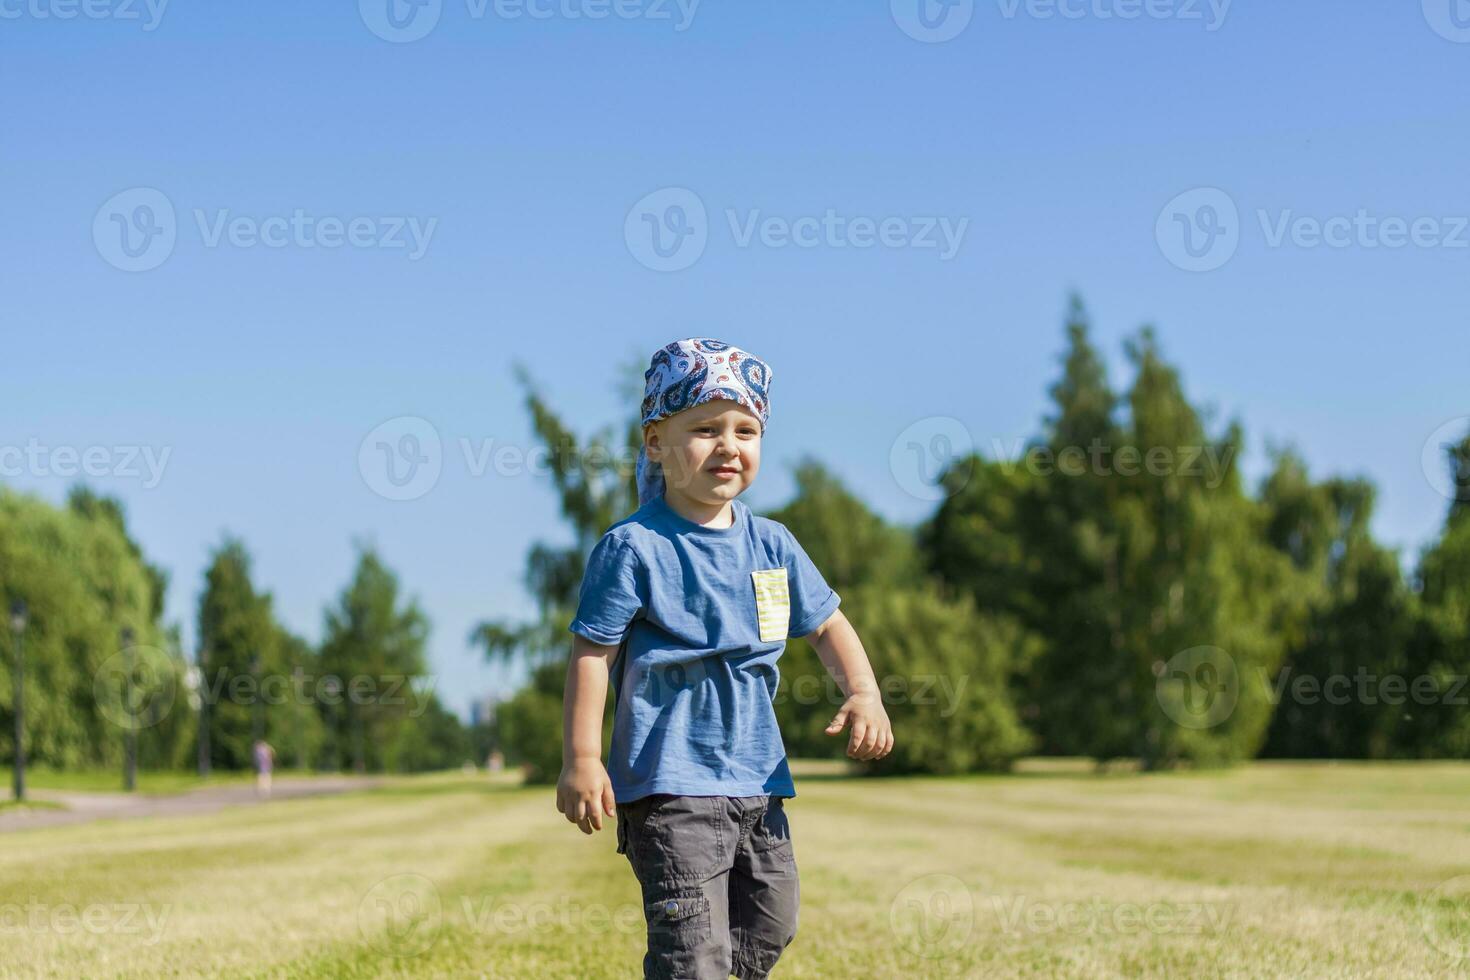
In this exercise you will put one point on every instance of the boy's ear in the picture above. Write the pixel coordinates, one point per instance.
(651, 445)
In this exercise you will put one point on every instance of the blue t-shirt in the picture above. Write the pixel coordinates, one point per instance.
(701, 615)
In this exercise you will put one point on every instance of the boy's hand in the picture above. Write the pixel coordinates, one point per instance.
(583, 792)
(872, 733)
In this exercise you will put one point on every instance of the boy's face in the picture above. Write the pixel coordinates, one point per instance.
(710, 453)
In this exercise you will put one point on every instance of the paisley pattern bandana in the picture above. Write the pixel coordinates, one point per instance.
(691, 372)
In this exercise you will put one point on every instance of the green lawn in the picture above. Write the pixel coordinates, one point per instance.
(149, 782)
(1272, 870)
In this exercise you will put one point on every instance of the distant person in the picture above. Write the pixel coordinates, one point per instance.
(686, 606)
(496, 761)
(265, 764)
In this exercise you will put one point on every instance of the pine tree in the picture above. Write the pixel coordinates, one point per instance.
(238, 632)
(374, 645)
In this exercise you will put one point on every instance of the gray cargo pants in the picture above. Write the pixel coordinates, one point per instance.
(718, 874)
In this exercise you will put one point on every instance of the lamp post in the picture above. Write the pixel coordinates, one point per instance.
(298, 676)
(130, 744)
(19, 616)
(257, 722)
(203, 711)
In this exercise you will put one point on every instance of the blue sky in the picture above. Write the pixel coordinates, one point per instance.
(523, 147)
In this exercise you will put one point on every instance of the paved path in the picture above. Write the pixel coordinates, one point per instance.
(85, 807)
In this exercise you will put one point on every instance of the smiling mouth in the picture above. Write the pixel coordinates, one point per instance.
(724, 470)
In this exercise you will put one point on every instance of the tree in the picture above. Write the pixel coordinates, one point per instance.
(595, 488)
(373, 649)
(944, 669)
(434, 739)
(1196, 573)
(83, 501)
(293, 719)
(1074, 529)
(1438, 651)
(1359, 617)
(84, 580)
(1124, 545)
(241, 642)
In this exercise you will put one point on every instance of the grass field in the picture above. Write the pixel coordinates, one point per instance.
(149, 782)
(1272, 870)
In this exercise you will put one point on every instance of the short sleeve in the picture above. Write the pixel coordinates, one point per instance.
(613, 592)
(812, 599)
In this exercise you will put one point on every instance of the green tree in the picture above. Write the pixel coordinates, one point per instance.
(1196, 571)
(373, 647)
(1359, 618)
(595, 486)
(1439, 647)
(84, 580)
(82, 500)
(1121, 544)
(431, 739)
(294, 714)
(943, 668)
(1074, 534)
(240, 639)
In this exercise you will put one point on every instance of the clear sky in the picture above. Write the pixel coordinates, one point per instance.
(263, 334)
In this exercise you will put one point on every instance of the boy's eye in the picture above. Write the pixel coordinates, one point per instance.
(711, 430)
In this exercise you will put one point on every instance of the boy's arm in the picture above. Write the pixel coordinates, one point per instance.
(842, 653)
(584, 790)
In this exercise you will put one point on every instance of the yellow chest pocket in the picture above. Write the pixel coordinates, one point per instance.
(772, 603)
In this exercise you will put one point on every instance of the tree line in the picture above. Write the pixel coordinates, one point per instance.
(102, 662)
(1110, 589)
(1113, 590)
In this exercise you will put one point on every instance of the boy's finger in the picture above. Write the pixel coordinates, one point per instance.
(609, 801)
(594, 813)
(859, 729)
(835, 725)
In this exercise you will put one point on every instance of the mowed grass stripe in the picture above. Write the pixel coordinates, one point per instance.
(1263, 871)
(257, 886)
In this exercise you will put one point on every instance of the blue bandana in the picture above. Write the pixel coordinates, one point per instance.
(691, 372)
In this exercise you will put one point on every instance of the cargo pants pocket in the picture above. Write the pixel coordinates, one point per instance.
(679, 931)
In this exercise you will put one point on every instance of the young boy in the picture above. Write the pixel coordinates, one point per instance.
(688, 603)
